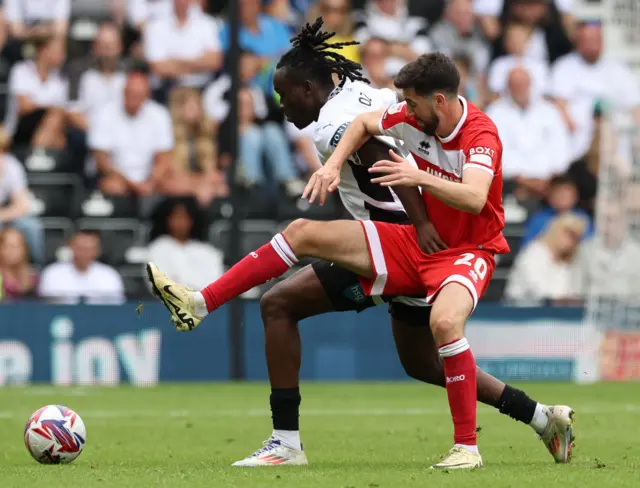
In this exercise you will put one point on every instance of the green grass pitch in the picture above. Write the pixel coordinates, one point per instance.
(377, 435)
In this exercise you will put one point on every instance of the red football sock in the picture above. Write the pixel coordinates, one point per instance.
(262, 265)
(460, 373)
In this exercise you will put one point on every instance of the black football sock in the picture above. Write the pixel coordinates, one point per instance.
(285, 408)
(517, 405)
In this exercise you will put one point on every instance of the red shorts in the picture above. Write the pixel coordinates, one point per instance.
(401, 268)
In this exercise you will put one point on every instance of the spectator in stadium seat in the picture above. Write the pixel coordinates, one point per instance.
(337, 18)
(267, 140)
(285, 11)
(580, 79)
(516, 37)
(38, 97)
(458, 34)
(536, 142)
(405, 35)
(261, 34)
(30, 20)
(132, 142)
(178, 244)
(585, 171)
(608, 264)
(140, 13)
(545, 269)
(104, 81)
(375, 54)
(468, 83)
(195, 167)
(183, 49)
(18, 279)
(260, 136)
(14, 202)
(306, 155)
(550, 23)
(562, 198)
(83, 278)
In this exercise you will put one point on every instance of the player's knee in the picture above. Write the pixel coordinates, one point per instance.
(297, 235)
(273, 305)
(281, 305)
(446, 325)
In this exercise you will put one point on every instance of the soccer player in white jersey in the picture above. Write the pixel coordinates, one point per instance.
(304, 83)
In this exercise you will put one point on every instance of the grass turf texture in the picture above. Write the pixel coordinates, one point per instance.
(356, 435)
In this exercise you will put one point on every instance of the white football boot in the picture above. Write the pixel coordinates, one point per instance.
(460, 458)
(558, 434)
(176, 298)
(273, 453)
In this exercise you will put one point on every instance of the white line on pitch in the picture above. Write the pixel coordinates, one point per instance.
(147, 413)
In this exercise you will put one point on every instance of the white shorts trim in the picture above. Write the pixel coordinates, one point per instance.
(377, 257)
(462, 280)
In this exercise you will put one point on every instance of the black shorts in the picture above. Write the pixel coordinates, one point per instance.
(345, 293)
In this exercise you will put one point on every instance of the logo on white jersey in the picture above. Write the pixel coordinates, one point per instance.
(335, 139)
(482, 155)
(337, 135)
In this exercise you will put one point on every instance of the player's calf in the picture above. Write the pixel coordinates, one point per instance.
(451, 308)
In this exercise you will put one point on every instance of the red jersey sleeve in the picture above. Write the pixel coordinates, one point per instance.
(393, 120)
(483, 150)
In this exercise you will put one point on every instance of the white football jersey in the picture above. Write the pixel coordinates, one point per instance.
(364, 200)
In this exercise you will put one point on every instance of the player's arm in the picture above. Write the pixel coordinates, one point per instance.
(470, 195)
(428, 238)
(389, 122)
(327, 178)
(359, 131)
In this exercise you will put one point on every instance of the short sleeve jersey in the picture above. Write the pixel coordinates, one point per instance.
(474, 143)
(364, 200)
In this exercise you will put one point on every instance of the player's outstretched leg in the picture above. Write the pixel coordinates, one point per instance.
(298, 297)
(420, 359)
(342, 242)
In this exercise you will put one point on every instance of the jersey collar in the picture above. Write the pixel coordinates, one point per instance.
(463, 119)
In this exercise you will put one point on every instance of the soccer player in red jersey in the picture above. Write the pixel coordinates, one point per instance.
(458, 151)
(459, 156)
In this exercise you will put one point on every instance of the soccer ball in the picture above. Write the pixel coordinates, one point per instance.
(55, 435)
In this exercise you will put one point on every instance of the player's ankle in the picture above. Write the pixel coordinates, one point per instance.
(200, 303)
(288, 438)
(469, 447)
(540, 419)
(517, 405)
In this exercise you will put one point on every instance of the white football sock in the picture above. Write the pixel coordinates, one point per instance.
(540, 419)
(289, 438)
(468, 448)
(201, 304)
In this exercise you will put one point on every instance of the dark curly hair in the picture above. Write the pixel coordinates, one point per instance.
(312, 56)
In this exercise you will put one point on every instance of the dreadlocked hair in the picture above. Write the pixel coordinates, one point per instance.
(312, 55)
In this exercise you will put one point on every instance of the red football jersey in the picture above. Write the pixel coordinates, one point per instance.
(474, 143)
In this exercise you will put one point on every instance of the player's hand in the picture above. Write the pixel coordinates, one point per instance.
(323, 181)
(428, 239)
(398, 172)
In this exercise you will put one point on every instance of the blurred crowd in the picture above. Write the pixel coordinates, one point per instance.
(116, 139)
